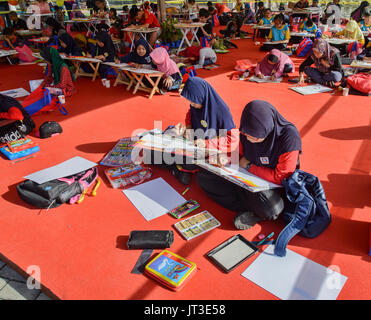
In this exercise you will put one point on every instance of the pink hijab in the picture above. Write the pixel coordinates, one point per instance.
(163, 61)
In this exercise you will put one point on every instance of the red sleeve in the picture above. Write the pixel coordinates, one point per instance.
(49, 77)
(224, 143)
(188, 118)
(286, 166)
(12, 114)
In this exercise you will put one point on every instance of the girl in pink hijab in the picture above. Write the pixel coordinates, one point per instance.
(172, 78)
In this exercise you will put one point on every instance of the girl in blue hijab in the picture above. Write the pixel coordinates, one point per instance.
(140, 55)
(269, 148)
(208, 122)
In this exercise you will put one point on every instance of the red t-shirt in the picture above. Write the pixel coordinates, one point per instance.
(150, 19)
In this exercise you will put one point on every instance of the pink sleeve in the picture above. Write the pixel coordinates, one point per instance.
(285, 168)
(257, 69)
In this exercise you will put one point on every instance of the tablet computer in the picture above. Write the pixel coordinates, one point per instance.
(231, 253)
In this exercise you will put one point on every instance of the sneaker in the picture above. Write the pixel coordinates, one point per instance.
(246, 220)
(183, 177)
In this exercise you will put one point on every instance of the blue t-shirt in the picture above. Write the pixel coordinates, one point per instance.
(364, 27)
(279, 34)
(267, 21)
(311, 29)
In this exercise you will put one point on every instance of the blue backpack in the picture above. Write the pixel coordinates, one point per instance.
(304, 47)
(306, 211)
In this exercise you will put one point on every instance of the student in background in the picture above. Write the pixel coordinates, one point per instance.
(308, 26)
(239, 6)
(232, 29)
(207, 55)
(104, 50)
(59, 15)
(267, 19)
(301, 4)
(58, 75)
(172, 78)
(328, 68)
(352, 31)
(101, 12)
(11, 41)
(207, 29)
(125, 16)
(192, 8)
(139, 57)
(211, 8)
(275, 64)
(269, 148)
(365, 23)
(358, 13)
(329, 13)
(113, 15)
(208, 123)
(260, 11)
(17, 23)
(56, 28)
(147, 20)
(280, 33)
(69, 45)
(249, 14)
(2, 24)
(44, 6)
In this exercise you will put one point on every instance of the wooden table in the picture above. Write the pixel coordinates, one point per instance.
(143, 33)
(302, 34)
(188, 27)
(360, 65)
(260, 27)
(28, 33)
(93, 63)
(87, 22)
(133, 77)
(7, 53)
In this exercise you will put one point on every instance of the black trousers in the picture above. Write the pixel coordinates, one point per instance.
(265, 204)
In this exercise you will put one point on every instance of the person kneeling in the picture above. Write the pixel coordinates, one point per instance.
(275, 64)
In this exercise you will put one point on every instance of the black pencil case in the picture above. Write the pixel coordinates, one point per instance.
(150, 239)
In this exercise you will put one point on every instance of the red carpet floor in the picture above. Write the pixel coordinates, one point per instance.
(81, 250)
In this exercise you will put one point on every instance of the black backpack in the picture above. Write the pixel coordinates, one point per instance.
(53, 193)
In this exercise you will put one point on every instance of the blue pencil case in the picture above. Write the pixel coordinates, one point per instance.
(24, 153)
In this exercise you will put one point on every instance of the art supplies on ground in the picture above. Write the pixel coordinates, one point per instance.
(15, 93)
(231, 253)
(67, 168)
(266, 79)
(197, 225)
(239, 176)
(211, 66)
(120, 154)
(171, 270)
(184, 209)
(312, 89)
(154, 198)
(19, 149)
(126, 175)
(150, 239)
(294, 277)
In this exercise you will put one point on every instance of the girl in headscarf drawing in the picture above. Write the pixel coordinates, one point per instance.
(269, 148)
(328, 68)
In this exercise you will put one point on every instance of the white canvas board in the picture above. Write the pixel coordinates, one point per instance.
(294, 277)
(154, 198)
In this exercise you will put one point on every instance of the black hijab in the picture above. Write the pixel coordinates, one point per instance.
(108, 50)
(261, 120)
(72, 48)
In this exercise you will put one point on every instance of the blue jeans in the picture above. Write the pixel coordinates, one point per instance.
(322, 78)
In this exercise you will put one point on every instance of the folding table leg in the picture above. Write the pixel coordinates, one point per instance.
(155, 86)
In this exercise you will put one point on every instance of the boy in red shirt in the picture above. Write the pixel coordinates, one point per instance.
(146, 20)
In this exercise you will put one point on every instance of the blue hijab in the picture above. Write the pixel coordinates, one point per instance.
(133, 56)
(214, 114)
(261, 120)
